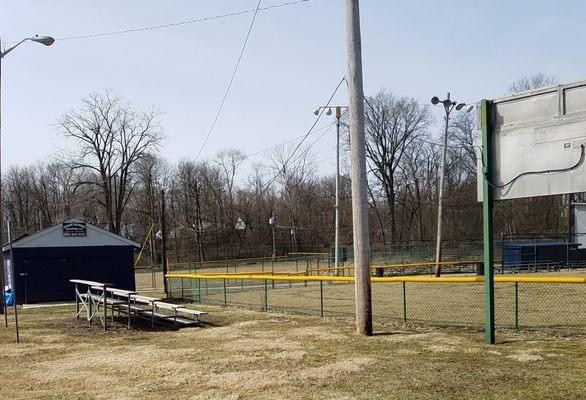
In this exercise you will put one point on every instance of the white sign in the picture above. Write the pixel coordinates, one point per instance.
(240, 225)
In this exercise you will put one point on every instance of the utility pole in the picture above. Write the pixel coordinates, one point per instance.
(164, 242)
(2, 277)
(358, 162)
(45, 41)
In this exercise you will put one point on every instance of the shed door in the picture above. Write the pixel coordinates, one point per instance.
(45, 279)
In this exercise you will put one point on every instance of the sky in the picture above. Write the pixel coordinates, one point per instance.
(295, 57)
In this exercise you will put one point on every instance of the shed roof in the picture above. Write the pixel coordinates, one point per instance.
(55, 237)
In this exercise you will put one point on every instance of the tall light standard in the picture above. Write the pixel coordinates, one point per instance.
(337, 204)
(272, 223)
(44, 40)
(449, 105)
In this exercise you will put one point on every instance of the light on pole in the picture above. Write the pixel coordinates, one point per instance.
(44, 40)
(449, 105)
(337, 203)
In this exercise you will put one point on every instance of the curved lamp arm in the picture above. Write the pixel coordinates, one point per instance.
(44, 40)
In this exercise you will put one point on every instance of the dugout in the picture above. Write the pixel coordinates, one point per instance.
(44, 262)
(520, 256)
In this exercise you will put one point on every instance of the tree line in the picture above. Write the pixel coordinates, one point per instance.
(114, 177)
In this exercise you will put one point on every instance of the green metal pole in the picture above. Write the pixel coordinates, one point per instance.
(487, 212)
(199, 290)
(182, 291)
(404, 302)
(517, 307)
(321, 298)
(225, 294)
(266, 296)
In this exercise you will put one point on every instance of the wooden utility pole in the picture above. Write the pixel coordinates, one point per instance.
(164, 242)
(358, 163)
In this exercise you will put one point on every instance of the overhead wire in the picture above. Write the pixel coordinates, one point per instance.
(227, 92)
(305, 136)
(179, 23)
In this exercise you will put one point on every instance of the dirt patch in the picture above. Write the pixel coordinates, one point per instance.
(525, 356)
(442, 348)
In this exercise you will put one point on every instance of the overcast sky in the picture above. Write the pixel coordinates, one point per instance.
(294, 59)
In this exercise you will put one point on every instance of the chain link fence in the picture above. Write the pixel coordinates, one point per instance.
(555, 305)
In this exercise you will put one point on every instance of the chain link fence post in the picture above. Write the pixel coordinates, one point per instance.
(321, 298)
(225, 295)
(199, 290)
(517, 307)
(266, 299)
(404, 302)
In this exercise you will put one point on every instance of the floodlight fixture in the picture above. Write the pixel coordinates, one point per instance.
(329, 112)
(316, 111)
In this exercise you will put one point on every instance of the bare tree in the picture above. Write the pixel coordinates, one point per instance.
(532, 82)
(393, 126)
(110, 137)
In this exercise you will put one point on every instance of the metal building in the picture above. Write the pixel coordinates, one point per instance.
(44, 262)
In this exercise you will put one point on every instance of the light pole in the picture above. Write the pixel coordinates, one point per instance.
(272, 224)
(448, 107)
(44, 40)
(337, 203)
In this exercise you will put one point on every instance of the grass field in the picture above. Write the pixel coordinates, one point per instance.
(242, 354)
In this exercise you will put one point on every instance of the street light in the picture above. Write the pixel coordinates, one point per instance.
(449, 105)
(337, 205)
(46, 41)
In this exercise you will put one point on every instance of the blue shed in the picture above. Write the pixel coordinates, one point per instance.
(44, 262)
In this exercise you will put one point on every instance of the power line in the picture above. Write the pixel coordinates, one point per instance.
(249, 155)
(306, 135)
(230, 81)
(180, 23)
(326, 127)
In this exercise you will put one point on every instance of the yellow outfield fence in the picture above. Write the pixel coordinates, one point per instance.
(428, 279)
(555, 303)
(402, 266)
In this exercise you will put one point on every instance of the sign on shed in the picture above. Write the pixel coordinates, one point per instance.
(74, 229)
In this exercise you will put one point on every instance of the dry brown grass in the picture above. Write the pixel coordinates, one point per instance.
(244, 354)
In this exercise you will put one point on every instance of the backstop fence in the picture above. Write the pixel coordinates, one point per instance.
(521, 303)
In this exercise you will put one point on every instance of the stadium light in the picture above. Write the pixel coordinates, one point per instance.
(449, 105)
(329, 111)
